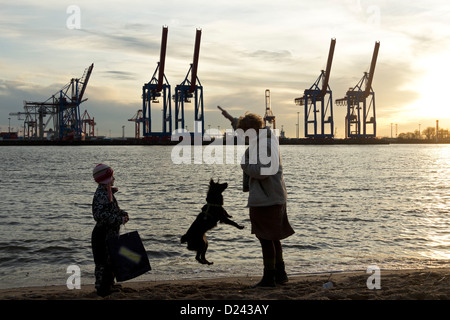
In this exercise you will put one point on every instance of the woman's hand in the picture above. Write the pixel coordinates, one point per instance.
(225, 114)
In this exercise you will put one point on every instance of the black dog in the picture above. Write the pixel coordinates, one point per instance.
(212, 212)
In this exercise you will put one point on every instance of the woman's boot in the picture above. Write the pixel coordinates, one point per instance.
(268, 279)
(280, 273)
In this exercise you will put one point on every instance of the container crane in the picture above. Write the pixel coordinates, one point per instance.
(152, 91)
(137, 119)
(35, 113)
(360, 121)
(190, 88)
(269, 117)
(70, 98)
(29, 125)
(88, 124)
(63, 109)
(318, 103)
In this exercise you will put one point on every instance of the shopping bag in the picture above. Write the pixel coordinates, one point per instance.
(128, 256)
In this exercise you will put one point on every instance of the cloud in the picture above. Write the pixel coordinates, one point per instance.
(265, 55)
(119, 75)
(246, 47)
(120, 41)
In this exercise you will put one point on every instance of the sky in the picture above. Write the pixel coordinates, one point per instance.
(246, 47)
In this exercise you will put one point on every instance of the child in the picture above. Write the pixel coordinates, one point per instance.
(109, 217)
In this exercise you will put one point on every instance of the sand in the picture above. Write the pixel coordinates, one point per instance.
(426, 284)
(232, 298)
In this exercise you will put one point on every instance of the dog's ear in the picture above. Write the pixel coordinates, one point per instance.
(211, 182)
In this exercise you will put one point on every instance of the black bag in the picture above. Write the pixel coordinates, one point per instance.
(128, 256)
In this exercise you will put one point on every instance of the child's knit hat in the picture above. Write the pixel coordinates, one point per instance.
(103, 173)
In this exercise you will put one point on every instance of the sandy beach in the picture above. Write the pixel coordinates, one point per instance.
(426, 284)
(232, 298)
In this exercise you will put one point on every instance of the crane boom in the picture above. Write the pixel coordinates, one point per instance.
(18, 115)
(328, 70)
(195, 62)
(85, 80)
(162, 59)
(372, 69)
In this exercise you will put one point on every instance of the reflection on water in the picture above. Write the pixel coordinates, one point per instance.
(351, 206)
(435, 223)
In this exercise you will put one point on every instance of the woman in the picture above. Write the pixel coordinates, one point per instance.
(109, 217)
(267, 195)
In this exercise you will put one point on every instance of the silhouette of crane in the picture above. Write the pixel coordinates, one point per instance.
(360, 121)
(63, 108)
(190, 88)
(269, 117)
(318, 103)
(137, 119)
(152, 91)
(88, 124)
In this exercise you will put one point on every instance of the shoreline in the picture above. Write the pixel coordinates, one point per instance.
(407, 284)
(167, 142)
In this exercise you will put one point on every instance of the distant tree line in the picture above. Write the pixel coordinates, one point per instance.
(427, 134)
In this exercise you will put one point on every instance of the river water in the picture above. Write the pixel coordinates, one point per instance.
(351, 206)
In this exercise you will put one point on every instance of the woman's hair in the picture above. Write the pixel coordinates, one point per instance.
(250, 121)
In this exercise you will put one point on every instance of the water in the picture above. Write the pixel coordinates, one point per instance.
(351, 207)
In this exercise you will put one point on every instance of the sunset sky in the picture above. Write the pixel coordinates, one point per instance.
(246, 47)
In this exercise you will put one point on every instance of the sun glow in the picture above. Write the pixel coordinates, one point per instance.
(433, 87)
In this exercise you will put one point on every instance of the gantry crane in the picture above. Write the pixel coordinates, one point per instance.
(152, 91)
(269, 117)
(360, 121)
(28, 124)
(137, 119)
(68, 105)
(88, 124)
(35, 113)
(190, 88)
(63, 108)
(318, 103)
